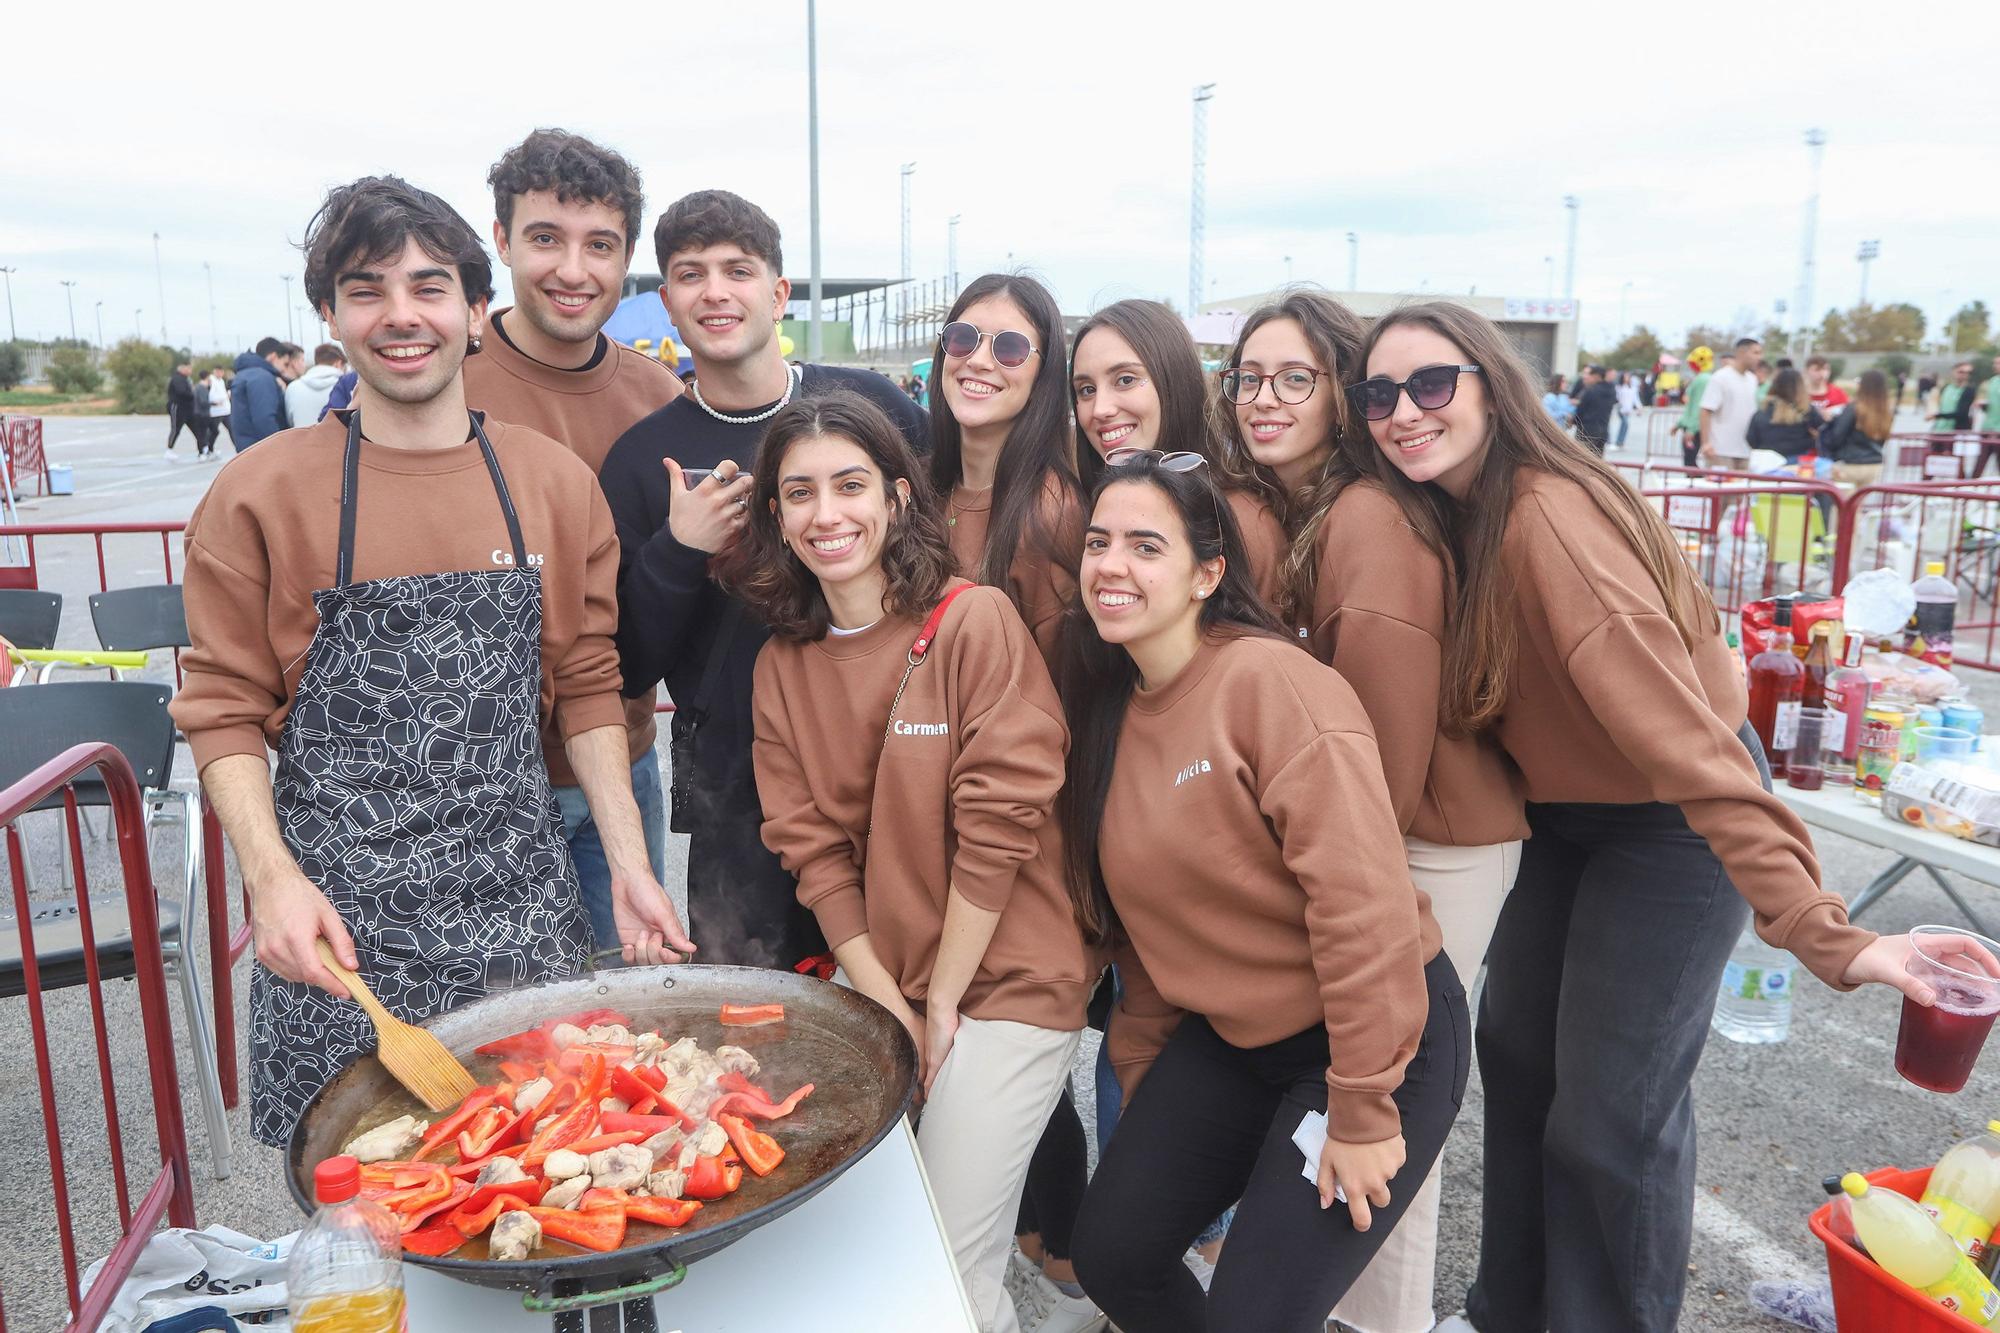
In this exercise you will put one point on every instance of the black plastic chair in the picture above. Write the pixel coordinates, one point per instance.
(140, 619)
(29, 617)
(42, 721)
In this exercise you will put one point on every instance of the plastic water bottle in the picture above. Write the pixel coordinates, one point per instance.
(1755, 1002)
(1912, 1249)
(345, 1274)
(1963, 1196)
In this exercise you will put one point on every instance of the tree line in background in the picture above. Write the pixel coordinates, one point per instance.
(137, 370)
(1894, 329)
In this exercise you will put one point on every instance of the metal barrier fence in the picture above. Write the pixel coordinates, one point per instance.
(1938, 455)
(1903, 527)
(224, 946)
(170, 1195)
(1661, 442)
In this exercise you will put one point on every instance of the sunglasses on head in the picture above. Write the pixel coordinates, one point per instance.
(1429, 388)
(1182, 461)
(960, 339)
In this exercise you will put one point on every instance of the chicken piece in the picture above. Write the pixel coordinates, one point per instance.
(698, 1099)
(532, 1094)
(565, 1035)
(501, 1171)
(703, 1067)
(686, 1160)
(515, 1234)
(617, 1104)
(562, 1164)
(681, 1054)
(388, 1142)
(650, 1047)
(679, 1088)
(665, 1142)
(667, 1184)
(616, 1034)
(736, 1060)
(622, 1167)
(709, 1139)
(566, 1194)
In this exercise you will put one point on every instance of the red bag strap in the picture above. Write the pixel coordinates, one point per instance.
(930, 630)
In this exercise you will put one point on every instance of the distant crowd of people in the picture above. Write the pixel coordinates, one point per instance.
(269, 389)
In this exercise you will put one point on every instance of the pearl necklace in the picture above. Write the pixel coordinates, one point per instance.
(793, 378)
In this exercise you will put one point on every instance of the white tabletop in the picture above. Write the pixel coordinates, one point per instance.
(1837, 810)
(865, 1254)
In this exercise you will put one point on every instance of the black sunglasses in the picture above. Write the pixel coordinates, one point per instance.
(1182, 461)
(1429, 388)
(960, 339)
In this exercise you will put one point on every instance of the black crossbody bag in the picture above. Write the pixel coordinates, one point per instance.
(686, 726)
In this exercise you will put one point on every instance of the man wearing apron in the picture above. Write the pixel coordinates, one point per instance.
(394, 599)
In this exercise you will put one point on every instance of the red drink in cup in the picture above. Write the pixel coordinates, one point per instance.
(1938, 1044)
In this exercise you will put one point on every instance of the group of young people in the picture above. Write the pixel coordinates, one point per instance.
(1271, 702)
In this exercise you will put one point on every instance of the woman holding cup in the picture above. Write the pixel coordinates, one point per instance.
(1581, 641)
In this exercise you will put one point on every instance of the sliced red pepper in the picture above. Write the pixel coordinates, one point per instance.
(494, 1127)
(629, 1086)
(471, 1221)
(662, 1212)
(646, 1105)
(466, 1170)
(439, 1238)
(760, 1108)
(576, 1123)
(599, 1142)
(712, 1178)
(525, 1191)
(752, 1015)
(603, 1197)
(593, 1228)
(651, 1075)
(759, 1150)
(416, 1217)
(617, 1122)
(446, 1129)
(732, 1080)
(537, 1043)
(416, 1188)
(520, 1071)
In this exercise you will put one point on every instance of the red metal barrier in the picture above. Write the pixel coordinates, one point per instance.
(21, 437)
(1749, 537)
(170, 1196)
(1903, 527)
(224, 948)
(1938, 455)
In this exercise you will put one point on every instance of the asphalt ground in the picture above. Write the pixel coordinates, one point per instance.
(1773, 1119)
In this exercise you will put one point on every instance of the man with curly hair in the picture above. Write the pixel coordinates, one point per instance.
(566, 215)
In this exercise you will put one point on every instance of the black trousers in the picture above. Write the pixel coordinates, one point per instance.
(176, 423)
(1600, 982)
(1056, 1175)
(1212, 1124)
(743, 905)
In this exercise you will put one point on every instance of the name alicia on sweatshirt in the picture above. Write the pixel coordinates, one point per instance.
(1192, 771)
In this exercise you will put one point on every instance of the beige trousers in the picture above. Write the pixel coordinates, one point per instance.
(977, 1130)
(1466, 886)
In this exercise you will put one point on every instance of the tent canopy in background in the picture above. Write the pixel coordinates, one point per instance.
(642, 317)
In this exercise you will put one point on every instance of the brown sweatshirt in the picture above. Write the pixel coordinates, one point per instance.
(1378, 618)
(1039, 586)
(1264, 542)
(1608, 705)
(958, 796)
(585, 410)
(1251, 853)
(267, 535)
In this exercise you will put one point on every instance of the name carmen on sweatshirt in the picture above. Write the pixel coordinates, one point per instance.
(902, 728)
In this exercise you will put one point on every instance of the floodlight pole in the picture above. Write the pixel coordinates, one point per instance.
(814, 337)
(1198, 196)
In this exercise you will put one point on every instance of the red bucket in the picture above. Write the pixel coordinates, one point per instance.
(1868, 1300)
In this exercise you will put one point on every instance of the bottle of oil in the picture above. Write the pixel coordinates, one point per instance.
(345, 1274)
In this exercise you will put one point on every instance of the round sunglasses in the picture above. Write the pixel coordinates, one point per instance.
(1430, 388)
(1181, 461)
(1011, 349)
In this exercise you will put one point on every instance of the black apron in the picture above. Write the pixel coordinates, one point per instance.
(410, 788)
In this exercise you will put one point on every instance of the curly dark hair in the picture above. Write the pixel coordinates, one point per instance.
(577, 170)
(369, 220)
(916, 558)
(713, 217)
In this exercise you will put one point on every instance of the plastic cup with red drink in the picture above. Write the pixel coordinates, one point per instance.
(1938, 1043)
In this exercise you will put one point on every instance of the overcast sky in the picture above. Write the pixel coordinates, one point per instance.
(1444, 133)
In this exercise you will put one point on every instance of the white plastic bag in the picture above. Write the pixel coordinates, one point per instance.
(181, 1270)
(1878, 603)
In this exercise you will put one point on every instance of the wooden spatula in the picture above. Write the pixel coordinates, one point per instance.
(418, 1060)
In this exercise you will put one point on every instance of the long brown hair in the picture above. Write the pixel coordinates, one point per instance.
(916, 558)
(1788, 398)
(1873, 415)
(1035, 459)
(1335, 334)
(1481, 643)
(1160, 340)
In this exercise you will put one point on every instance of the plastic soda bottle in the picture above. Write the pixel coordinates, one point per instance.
(1911, 1248)
(1964, 1191)
(346, 1270)
(1930, 631)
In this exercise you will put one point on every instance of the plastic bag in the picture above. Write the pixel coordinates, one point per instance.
(1759, 619)
(1879, 603)
(181, 1270)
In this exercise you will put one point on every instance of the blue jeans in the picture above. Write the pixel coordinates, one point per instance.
(1109, 1097)
(593, 872)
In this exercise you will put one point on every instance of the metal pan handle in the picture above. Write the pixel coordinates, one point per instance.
(535, 1302)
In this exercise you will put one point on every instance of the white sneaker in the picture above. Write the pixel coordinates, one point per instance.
(1046, 1309)
(173, 457)
(1203, 1270)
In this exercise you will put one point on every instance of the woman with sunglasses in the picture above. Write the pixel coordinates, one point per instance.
(1579, 638)
(960, 925)
(1229, 833)
(1001, 466)
(1136, 382)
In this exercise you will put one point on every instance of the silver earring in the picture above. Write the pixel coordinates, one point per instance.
(473, 345)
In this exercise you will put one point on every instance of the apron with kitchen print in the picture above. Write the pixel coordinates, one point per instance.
(410, 788)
